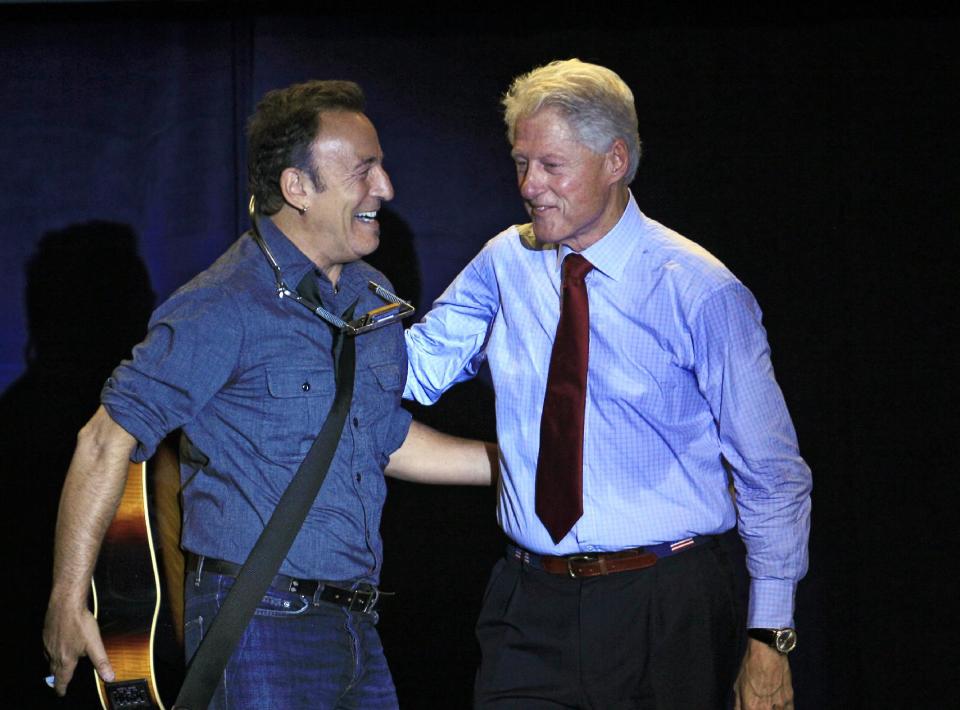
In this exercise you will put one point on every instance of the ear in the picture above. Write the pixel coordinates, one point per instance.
(617, 160)
(294, 186)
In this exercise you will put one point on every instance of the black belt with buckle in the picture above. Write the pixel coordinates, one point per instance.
(361, 600)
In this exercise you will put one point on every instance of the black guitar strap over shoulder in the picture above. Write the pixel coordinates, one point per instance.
(271, 548)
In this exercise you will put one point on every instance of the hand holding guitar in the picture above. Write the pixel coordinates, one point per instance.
(91, 495)
(68, 634)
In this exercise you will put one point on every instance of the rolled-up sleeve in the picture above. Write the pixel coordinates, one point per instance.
(191, 350)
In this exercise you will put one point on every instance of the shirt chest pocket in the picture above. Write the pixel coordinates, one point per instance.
(297, 402)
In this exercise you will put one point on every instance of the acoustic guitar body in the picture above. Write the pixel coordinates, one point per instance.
(141, 627)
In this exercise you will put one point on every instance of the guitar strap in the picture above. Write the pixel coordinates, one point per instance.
(271, 547)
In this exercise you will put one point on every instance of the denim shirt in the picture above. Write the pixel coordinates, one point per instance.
(249, 378)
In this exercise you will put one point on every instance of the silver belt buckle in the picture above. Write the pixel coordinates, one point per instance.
(372, 601)
(373, 595)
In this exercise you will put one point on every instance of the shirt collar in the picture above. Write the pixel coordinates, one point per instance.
(294, 264)
(611, 252)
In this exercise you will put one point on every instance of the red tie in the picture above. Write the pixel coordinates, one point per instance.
(560, 466)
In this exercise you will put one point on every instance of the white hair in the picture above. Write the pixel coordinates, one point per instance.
(595, 101)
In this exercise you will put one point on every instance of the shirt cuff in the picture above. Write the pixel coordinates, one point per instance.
(771, 604)
(127, 417)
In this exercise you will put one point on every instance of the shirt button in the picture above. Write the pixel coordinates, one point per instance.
(358, 477)
(305, 386)
(356, 422)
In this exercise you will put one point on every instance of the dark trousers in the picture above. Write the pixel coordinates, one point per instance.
(662, 637)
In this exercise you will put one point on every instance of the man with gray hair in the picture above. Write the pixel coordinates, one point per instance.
(633, 381)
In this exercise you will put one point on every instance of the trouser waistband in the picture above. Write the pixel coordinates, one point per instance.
(363, 600)
(595, 564)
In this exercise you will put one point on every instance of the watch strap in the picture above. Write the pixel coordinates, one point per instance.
(781, 640)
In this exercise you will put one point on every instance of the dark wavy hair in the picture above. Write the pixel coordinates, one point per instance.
(282, 129)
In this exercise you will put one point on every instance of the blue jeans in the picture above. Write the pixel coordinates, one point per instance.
(295, 653)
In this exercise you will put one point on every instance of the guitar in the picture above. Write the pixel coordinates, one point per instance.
(141, 546)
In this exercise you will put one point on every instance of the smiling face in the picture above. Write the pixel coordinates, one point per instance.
(341, 214)
(573, 195)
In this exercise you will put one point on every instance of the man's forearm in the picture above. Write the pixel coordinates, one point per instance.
(91, 494)
(429, 456)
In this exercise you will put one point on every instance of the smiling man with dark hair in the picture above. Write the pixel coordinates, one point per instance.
(249, 378)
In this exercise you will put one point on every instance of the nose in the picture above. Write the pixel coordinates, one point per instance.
(531, 182)
(382, 186)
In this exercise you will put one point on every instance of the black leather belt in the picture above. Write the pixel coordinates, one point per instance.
(361, 600)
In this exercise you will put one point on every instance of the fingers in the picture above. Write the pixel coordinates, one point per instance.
(66, 638)
(61, 663)
(98, 656)
(62, 674)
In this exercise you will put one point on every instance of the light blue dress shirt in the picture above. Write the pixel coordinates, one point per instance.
(679, 390)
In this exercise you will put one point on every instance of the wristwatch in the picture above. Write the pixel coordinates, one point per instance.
(782, 640)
